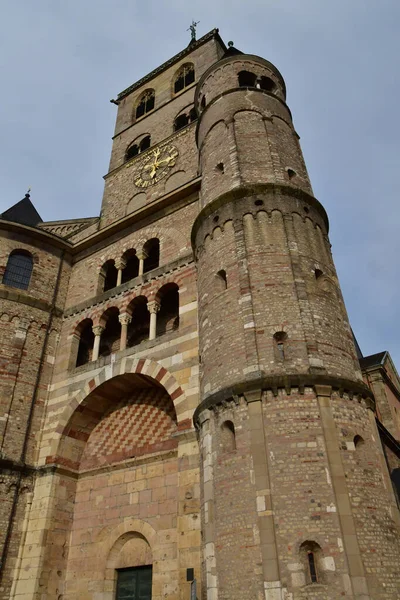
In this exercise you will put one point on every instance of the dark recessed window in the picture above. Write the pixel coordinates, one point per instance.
(135, 149)
(180, 122)
(247, 79)
(18, 270)
(145, 104)
(134, 583)
(184, 77)
(311, 566)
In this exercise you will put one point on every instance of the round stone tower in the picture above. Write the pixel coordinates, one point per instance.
(293, 502)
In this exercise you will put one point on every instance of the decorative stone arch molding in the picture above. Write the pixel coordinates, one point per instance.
(125, 366)
(110, 544)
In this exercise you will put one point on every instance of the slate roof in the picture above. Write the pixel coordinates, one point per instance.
(374, 360)
(23, 212)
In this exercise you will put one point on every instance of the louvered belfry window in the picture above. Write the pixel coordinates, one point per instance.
(18, 270)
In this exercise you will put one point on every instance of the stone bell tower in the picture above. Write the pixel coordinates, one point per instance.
(292, 467)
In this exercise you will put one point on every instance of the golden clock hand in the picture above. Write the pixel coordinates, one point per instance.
(164, 160)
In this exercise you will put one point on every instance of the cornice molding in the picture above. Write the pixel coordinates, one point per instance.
(260, 382)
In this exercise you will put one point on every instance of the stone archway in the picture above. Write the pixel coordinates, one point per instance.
(121, 441)
(149, 368)
(134, 535)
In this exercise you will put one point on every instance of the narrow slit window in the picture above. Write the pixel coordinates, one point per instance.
(312, 567)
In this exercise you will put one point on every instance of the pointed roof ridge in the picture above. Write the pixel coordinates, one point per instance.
(214, 33)
(23, 212)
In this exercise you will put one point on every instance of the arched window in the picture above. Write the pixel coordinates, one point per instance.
(152, 252)
(221, 280)
(203, 102)
(137, 148)
(168, 315)
(145, 103)
(311, 557)
(192, 115)
(108, 276)
(185, 119)
(395, 477)
(247, 79)
(138, 328)
(358, 441)
(267, 84)
(110, 338)
(318, 273)
(18, 270)
(180, 122)
(228, 437)
(131, 269)
(86, 339)
(280, 341)
(184, 77)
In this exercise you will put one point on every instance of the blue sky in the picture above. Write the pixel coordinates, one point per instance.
(61, 62)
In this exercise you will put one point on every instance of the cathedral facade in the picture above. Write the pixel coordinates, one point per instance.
(185, 412)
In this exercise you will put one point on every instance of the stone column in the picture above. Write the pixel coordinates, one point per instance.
(124, 319)
(97, 330)
(141, 256)
(120, 264)
(153, 308)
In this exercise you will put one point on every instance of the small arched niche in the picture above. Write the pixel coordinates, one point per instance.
(280, 345)
(311, 558)
(221, 280)
(108, 276)
(151, 250)
(86, 340)
(138, 328)
(168, 315)
(131, 269)
(228, 437)
(358, 442)
(111, 335)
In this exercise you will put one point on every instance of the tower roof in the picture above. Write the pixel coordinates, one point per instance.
(192, 46)
(23, 212)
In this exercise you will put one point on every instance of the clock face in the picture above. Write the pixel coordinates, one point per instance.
(155, 166)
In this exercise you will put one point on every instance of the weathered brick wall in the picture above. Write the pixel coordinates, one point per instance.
(270, 255)
(25, 332)
(377, 532)
(121, 196)
(260, 226)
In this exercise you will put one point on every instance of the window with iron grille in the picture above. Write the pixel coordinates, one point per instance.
(18, 270)
(134, 584)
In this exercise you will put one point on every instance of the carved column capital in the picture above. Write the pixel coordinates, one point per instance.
(125, 319)
(120, 263)
(97, 330)
(153, 307)
(141, 254)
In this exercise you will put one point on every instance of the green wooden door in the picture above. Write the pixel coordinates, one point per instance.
(134, 584)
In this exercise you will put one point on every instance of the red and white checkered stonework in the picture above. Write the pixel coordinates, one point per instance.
(138, 425)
